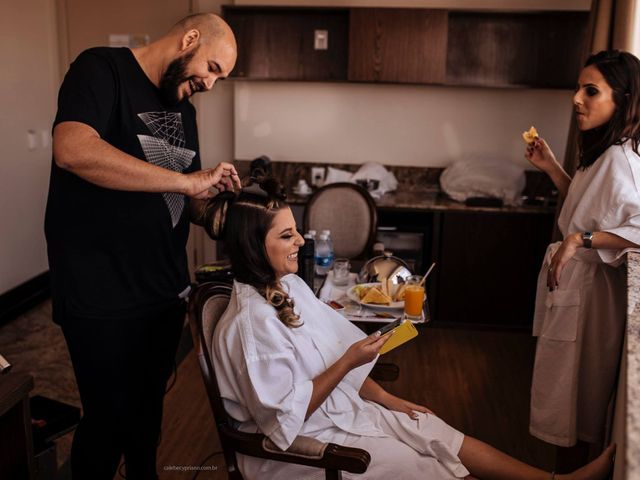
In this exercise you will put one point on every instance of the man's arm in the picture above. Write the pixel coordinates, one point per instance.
(79, 149)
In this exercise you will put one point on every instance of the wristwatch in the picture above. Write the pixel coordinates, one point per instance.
(587, 238)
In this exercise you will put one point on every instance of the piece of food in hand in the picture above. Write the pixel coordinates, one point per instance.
(399, 294)
(375, 295)
(531, 135)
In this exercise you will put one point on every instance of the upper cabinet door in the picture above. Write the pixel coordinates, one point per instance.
(280, 43)
(515, 49)
(397, 45)
(418, 46)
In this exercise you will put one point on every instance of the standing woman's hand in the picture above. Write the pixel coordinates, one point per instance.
(540, 156)
(566, 251)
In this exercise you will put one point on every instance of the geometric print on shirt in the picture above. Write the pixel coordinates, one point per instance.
(166, 149)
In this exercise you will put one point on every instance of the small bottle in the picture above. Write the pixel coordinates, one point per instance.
(328, 234)
(306, 260)
(323, 255)
(312, 235)
(330, 242)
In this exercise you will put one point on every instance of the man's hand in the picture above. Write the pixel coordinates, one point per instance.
(222, 177)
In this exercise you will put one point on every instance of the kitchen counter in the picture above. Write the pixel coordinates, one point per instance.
(433, 201)
(418, 188)
(633, 367)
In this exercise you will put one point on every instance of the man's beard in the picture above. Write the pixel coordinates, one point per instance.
(175, 74)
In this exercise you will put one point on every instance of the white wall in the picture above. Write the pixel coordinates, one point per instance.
(393, 124)
(215, 132)
(28, 89)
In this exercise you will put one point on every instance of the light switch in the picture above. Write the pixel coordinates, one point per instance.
(32, 139)
(119, 40)
(128, 39)
(45, 138)
(320, 39)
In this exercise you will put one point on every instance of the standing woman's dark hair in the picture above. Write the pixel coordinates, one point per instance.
(621, 70)
(243, 222)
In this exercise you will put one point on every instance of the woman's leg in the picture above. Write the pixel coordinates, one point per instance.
(488, 463)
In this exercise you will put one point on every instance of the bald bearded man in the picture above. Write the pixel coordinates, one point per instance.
(125, 183)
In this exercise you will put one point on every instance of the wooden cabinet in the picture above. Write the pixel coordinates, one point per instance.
(278, 43)
(489, 265)
(397, 45)
(16, 454)
(420, 46)
(509, 49)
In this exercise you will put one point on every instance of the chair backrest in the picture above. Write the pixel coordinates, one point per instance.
(207, 303)
(349, 212)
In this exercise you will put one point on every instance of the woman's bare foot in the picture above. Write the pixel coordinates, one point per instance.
(596, 470)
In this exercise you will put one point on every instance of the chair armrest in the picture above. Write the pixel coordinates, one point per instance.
(303, 451)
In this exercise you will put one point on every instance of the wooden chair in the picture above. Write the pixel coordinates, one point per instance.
(207, 303)
(349, 212)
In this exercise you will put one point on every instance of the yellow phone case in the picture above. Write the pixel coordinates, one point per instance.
(401, 334)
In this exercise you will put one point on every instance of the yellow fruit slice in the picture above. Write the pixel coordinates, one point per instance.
(531, 135)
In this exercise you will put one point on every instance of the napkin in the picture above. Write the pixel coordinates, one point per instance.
(369, 170)
(372, 170)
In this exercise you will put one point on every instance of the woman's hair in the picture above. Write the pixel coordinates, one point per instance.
(621, 70)
(242, 221)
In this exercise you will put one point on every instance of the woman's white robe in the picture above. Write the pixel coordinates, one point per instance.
(580, 325)
(265, 372)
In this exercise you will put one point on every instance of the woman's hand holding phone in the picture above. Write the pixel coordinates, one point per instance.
(365, 350)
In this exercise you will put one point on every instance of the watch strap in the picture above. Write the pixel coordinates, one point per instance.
(587, 239)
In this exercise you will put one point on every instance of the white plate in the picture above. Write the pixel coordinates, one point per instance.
(353, 295)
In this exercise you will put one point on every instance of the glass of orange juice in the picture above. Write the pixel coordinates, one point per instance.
(413, 298)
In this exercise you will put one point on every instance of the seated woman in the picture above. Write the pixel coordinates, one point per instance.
(288, 365)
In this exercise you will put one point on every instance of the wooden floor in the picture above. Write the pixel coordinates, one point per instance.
(477, 381)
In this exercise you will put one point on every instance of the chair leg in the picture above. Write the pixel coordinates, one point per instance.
(333, 474)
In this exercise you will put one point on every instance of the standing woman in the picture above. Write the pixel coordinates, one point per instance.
(580, 305)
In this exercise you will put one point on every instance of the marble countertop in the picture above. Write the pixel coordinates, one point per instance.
(633, 366)
(432, 201)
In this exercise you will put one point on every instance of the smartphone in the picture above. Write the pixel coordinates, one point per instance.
(390, 326)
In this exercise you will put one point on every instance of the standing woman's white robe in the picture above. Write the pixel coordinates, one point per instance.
(265, 371)
(580, 324)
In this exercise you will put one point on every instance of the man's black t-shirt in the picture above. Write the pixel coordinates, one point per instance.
(117, 253)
